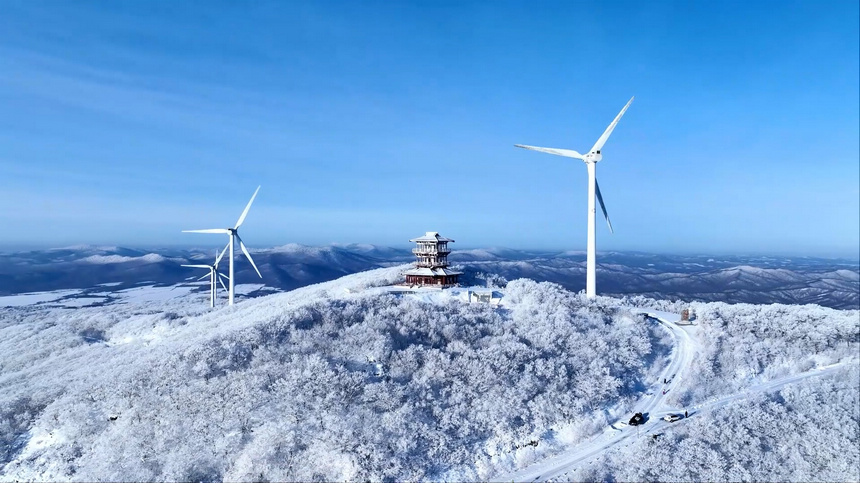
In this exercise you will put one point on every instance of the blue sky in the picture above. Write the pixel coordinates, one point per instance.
(372, 122)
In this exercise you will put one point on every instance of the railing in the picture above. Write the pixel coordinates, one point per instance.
(430, 251)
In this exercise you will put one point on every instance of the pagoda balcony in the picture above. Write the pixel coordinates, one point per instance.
(431, 251)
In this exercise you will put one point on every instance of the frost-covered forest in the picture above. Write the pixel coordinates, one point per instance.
(346, 381)
(297, 387)
(753, 342)
(802, 433)
(745, 343)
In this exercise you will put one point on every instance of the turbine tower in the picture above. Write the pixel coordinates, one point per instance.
(590, 159)
(234, 235)
(213, 274)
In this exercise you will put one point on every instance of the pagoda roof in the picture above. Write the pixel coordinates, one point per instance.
(431, 236)
(432, 272)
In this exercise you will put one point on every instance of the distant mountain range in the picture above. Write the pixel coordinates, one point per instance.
(793, 280)
(758, 280)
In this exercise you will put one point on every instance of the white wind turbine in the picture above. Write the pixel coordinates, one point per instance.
(590, 159)
(213, 274)
(234, 235)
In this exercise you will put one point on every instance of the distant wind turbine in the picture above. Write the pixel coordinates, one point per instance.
(213, 274)
(234, 235)
(590, 160)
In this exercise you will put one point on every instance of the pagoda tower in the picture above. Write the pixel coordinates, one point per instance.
(432, 266)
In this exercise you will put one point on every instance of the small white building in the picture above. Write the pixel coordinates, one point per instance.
(432, 265)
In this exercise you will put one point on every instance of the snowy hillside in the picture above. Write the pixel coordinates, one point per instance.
(345, 381)
(376, 385)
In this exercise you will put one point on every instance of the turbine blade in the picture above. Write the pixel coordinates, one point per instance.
(195, 266)
(225, 277)
(602, 206)
(248, 207)
(219, 257)
(245, 250)
(210, 230)
(201, 278)
(222, 284)
(567, 153)
(602, 140)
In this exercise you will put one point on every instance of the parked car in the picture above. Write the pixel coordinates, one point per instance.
(673, 417)
(637, 419)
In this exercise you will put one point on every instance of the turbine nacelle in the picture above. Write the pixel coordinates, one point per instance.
(593, 157)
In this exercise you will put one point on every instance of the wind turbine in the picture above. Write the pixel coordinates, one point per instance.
(213, 274)
(590, 159)
(234, 235)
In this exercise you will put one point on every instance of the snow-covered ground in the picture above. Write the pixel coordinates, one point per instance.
(355, 380)
(431, 295)
(25, 299)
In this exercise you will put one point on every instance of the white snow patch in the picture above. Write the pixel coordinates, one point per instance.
(105, 259)
(39, 440)
(104, 248)
(34, 298)
(150, 293)
(438, 295)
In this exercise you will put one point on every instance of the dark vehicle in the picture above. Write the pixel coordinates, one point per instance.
(637, 419)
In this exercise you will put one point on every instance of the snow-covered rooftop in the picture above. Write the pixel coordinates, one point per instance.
(431, 236)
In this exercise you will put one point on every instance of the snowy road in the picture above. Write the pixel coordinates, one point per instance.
(652, 405)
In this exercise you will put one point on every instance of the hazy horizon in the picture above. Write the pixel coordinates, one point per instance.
(12, 248)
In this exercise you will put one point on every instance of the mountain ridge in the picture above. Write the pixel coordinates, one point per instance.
(833, 283)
